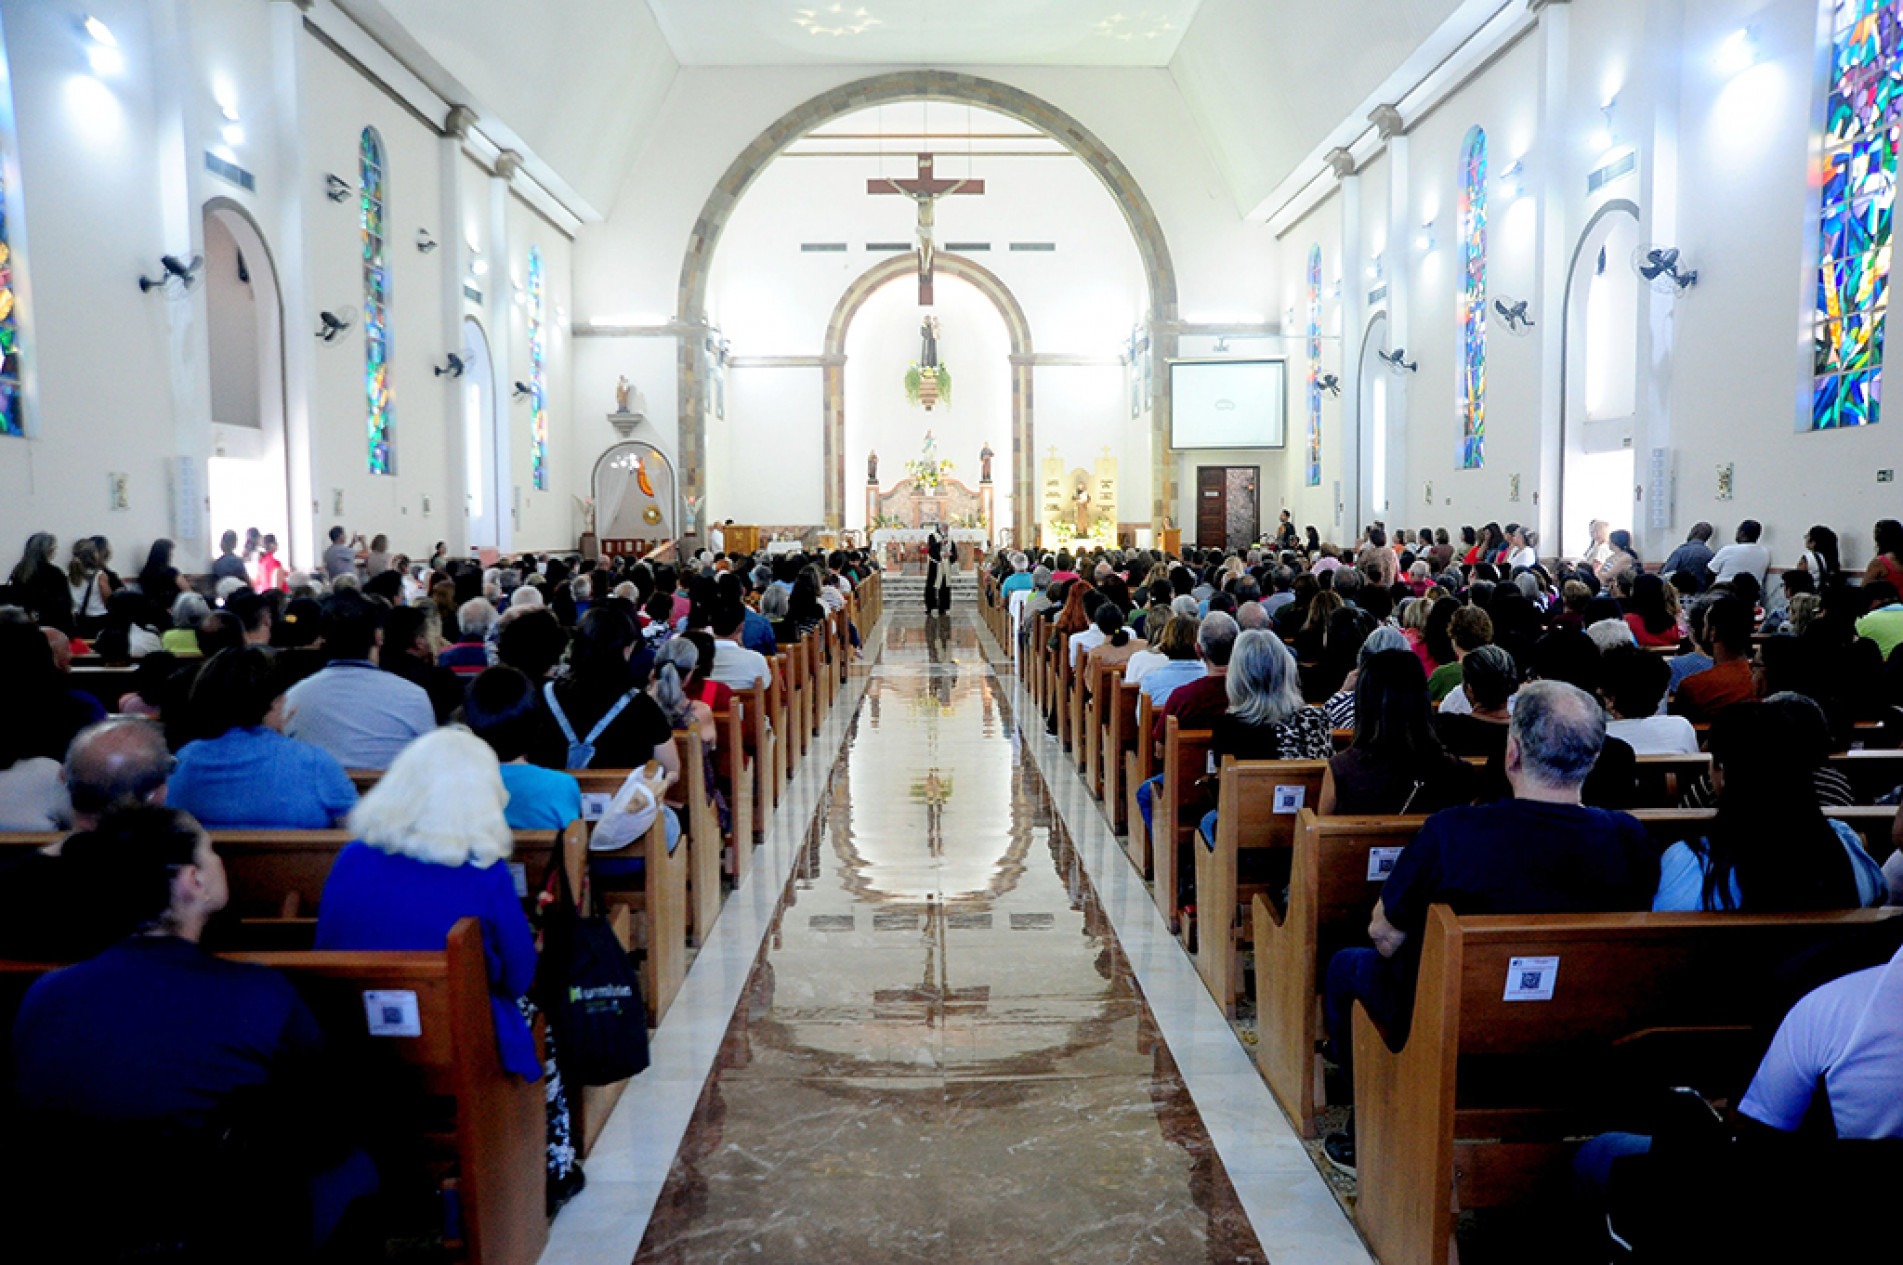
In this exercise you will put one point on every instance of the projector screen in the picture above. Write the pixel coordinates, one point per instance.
(1228, 403)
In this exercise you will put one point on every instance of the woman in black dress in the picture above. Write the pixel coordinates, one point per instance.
(941, 555)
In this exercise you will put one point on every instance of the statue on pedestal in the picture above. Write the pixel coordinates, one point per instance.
(984, 463)
(1081, 498)
(872, 467)
(624, 394)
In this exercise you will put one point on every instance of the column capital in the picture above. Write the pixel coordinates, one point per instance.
(459, 121)
(1341, 162)
(1387, 120)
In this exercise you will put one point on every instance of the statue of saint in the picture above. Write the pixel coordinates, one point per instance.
(872, 467)
(928, 334)
(624, 392)
(984, 463)
(930, 456)
(1081, 498)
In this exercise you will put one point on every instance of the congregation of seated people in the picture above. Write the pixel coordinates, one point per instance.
(1511, 699)
(246, 698)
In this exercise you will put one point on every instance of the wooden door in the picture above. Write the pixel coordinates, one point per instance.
(1212, 506)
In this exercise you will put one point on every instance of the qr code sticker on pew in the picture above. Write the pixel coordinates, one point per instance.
(1531, 979)
(392, 1013)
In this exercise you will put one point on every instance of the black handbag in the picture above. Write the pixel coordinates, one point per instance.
(589, 989)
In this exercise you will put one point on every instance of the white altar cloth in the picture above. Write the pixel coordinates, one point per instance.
(918, 536)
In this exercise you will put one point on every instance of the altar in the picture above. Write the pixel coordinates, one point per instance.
(895, 546)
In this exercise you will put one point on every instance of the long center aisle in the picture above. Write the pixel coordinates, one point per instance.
(942, 1051)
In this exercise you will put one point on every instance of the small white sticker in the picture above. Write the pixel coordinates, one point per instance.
(392, 1013)
(520, 873)
(594, 805)
(1381, 863)
(1289, 799)
(1531, 979)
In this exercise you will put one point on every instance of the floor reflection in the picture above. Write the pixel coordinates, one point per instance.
(942, 1053)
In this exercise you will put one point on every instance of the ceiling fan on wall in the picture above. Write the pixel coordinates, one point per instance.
(1513, 312)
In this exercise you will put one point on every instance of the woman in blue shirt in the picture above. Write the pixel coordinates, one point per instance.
(1770, 848)
(432, 847)
(243, 772)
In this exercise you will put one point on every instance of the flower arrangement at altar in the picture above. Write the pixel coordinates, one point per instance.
(928, 385)
(928, 475)
(887, 520)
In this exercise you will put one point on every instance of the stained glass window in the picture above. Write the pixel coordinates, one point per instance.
(1473, 300)
(1314, 366)
(380, 414)
(538, 376)
(12, 410)
(1859, 197)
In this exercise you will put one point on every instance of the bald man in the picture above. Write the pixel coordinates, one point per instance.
(108, 765)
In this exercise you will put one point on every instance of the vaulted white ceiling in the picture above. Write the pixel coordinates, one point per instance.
(925, 32)
(579, 86)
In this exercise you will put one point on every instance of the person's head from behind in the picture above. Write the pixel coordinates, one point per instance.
(440, 801)
(1568, 655)
(1553, 740)
(228, 543)
(500, 709)
(146, 869)
(219, 631)
(1489, 676)
(351, 623)
(1749, 531)
(1177, 640)
(1469, 628)
(1633, 682)
(1700, 532)
(1216, 638)
(189, 611)
(475, 618)
(604, 639)
(239, 688)
(674, 666)
(1770, 837)
(254, 614)
(1262, 683)
(1391, 708)
(1727, 627)
(532, 642)
(113, 764)
(729, 618)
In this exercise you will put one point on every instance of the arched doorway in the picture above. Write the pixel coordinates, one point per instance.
(637, 497)
(247, 477)
(1145, 228)
(876, 278)
(1372, 438)
(484, 466)
(1601, 337)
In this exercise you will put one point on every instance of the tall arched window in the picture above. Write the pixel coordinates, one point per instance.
(1473, 300)
(538, 376)
(1859, 200)
(12, 403)
(380, 412)
(1314, 477)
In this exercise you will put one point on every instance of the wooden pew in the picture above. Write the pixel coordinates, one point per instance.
(1331, 893)
(757, 740)
(738, 771)
(1120, 739)
(1336, 868)
(1174, 813)
(1101, 682)
(1432, 1141)
(499, 1137)
(1256, 812)
(1139, 766)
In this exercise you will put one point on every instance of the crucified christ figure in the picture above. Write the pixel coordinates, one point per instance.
(925, 190)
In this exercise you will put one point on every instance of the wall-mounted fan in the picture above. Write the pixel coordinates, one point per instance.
(1513, 313)
(1398, 361)
(1663, 268)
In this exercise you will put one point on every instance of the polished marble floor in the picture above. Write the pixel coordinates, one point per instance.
(937, 1042)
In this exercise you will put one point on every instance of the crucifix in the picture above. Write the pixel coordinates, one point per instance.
(925, 190)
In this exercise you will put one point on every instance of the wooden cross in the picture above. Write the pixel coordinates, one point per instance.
(925, 190)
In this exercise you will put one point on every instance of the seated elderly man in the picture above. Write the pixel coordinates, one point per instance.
(475, 619)
(361, 715)
(1541, 852)
(111, 764)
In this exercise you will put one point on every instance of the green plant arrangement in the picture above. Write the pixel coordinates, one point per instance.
(928, 476)
(929, 385)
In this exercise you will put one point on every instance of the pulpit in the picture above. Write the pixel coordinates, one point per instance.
(741, 539)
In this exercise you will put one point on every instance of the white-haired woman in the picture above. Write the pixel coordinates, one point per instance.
(188, 612)
(431, 847)
(1267, 719)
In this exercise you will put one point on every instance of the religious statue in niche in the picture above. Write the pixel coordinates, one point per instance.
(1081, 499)
(927, 382)
(624, 395)
(872, 467)
(984, 462)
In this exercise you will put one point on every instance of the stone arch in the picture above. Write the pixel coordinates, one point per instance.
(909, 85)
(988, 284)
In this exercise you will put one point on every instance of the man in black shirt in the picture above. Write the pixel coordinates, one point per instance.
(1540, 852)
